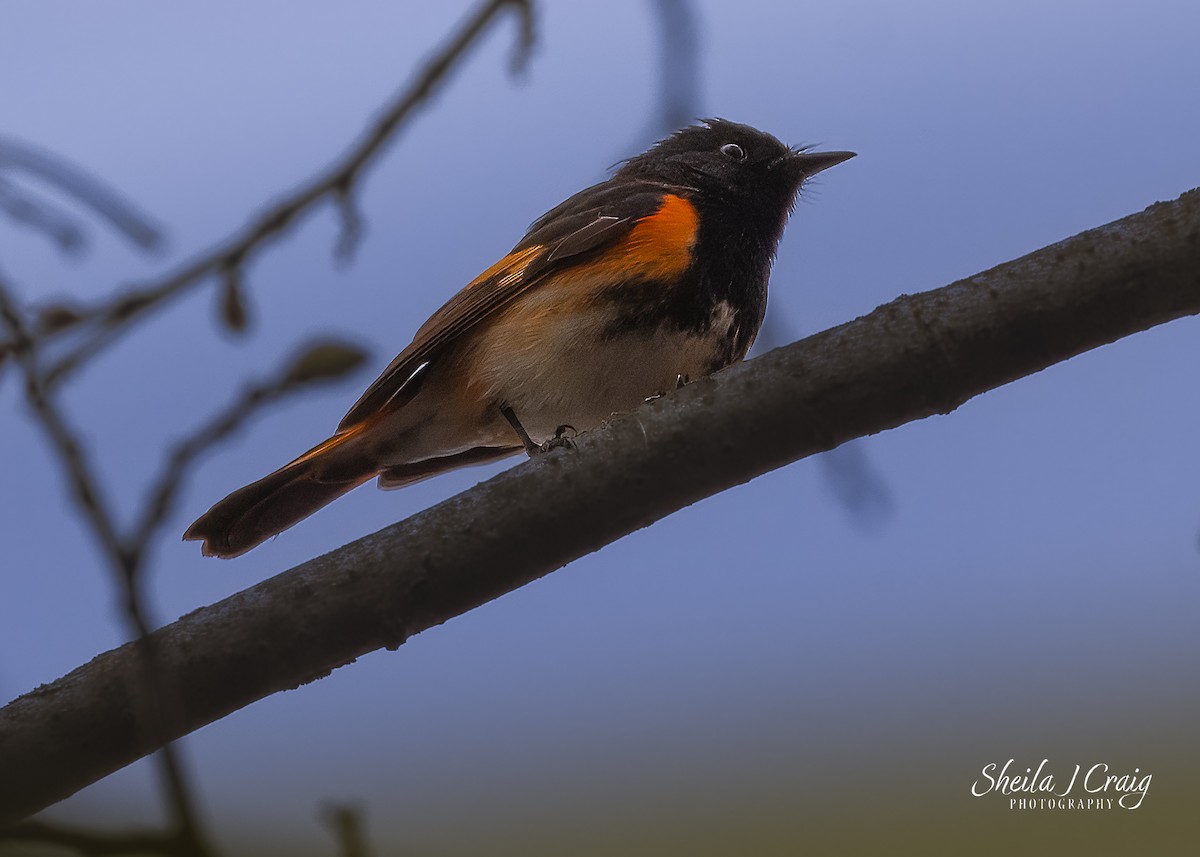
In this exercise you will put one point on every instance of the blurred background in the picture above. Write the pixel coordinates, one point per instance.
(825, 658)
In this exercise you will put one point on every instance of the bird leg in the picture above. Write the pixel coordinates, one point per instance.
(531, 448)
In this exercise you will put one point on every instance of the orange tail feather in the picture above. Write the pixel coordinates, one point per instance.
(251, 515)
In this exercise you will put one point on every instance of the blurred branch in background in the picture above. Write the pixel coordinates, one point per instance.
(40, 216)
(677, 100)
(324, 360)
(102, 323)
(122, 215)
(857, 485)
(679, 66)
(152, 696)
(917, 356)
(346, 824)
(89, 843)
(154, 705)
(847, 471)
(148, 706)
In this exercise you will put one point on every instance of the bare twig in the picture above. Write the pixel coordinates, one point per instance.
(103, 200)
(340, 358)
(677, 102)
(318, 362)
(917, 356)
(678, 66)
(846, 471)
(338, 182)
(346, 824)
(40, 217)
(233, 300)
(153, 696)
(83, 483)
(857, 485)
(94, 844)
(126, 555)
(153, 703)
(352, 227)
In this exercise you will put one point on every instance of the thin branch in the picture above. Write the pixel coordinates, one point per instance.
(157, 705)
(41, 217)
(153, 705)
(337, 182)
(352, 227)
(847, 471)
(94, 844)
(914, 357)
(103, 200)
(857, 485)
(161, 498)
(677, 100)
(346, 824)
(679, 66)
(149, 695)
(233, 300)
(69, 451)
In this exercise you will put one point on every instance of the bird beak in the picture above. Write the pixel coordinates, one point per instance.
(810, 163)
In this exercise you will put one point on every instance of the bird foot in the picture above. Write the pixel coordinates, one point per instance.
(559, 441)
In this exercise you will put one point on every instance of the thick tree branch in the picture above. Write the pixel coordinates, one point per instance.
(916, 356)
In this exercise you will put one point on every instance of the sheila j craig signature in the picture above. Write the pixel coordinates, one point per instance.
(1099, 787)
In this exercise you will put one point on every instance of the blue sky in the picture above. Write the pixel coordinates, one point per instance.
(1032, 593)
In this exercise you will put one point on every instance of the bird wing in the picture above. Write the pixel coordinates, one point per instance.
(593, 219)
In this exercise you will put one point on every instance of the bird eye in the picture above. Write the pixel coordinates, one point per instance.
(733, 150)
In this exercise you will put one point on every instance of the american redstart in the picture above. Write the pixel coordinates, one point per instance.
(622, 292)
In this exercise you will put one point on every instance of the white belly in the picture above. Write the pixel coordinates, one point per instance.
(563, 377)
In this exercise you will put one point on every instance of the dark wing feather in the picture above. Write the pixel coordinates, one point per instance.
(590, 220)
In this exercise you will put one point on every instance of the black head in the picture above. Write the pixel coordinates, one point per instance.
(731, 163)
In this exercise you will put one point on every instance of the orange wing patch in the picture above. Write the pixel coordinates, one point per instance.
(664, 240)
(659, 245)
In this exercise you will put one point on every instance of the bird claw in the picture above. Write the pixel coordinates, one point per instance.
(560, 439)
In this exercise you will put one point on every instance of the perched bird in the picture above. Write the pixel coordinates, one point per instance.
(626, 290)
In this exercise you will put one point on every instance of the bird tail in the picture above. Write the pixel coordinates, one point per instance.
(251, 515)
